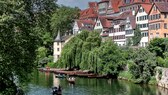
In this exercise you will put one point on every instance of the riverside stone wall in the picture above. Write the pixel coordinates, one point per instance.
(162, 77)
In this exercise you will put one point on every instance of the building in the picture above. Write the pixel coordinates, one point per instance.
(59, 43)
(80, 25)
(158, 21)
(103, 7)
(142, 22)
(90, 13)
(117, 30)
(129, 28)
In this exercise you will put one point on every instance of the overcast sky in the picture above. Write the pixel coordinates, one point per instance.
(82, 4)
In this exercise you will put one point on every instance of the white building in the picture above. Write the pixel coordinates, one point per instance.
(117, 31)
(129, 28)
(142, 22)
(80, 25)
(59, 43)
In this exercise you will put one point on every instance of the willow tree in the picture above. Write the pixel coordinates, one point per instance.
(17, 45)
(77, 52)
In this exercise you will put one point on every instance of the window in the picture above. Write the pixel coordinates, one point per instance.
(165, 35)
(57, 43)
(165, 15)
(151, 35)
(165, 25)
(154, 8)
(57, 49)
(58, 56)
(157, 35)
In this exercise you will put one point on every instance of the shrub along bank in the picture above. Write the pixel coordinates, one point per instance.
(86, 51)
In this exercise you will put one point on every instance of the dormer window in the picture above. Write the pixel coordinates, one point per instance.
(154, 8)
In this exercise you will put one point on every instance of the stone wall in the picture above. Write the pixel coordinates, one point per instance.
(162, 77)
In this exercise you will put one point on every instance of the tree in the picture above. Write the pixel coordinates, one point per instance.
(75, 53)
(157, 46)
(110, 59)
(63, 19)
(142, 65)
(18, 43)
(137, 37)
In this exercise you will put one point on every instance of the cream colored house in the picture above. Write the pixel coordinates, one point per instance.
(59, 43)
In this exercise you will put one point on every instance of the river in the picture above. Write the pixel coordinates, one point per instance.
(42, 83)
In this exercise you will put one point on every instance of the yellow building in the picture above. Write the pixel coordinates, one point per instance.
(158, 20)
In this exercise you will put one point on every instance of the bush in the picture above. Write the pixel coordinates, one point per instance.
(152, 81)
(126, 75)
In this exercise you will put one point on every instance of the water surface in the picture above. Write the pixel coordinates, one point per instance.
(42, 83)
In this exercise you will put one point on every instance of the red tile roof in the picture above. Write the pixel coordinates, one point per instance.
(122, 3)
(115, 5)
(92, 4)
(133, 21)
(84, 22)
(88, 13)
(124, 15)
(147, 7)
(162, 6)
(105, 23)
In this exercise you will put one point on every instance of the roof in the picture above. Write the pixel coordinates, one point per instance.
(146, 7)
(162, 6)
(58, 38)
(92, 4)
(89, 12)
(132, 21)
(124, 15)
(122, 3)
(83, 24)
(102, 1)
(105, 23)
(115, 5)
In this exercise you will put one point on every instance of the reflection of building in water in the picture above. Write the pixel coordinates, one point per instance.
(56, 81)
(162, 91)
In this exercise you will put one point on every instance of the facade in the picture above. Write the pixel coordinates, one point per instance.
(80, 25)
(129, 28)
(142, 22)
(59, 43)
(158, 21)
(119, 18)
(103, 7)
(117, 31)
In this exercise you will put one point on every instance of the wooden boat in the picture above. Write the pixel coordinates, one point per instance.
(56, 91)
(71, 80)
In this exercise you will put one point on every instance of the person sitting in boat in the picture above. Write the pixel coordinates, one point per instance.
(54, 90)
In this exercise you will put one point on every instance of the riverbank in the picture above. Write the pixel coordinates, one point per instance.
(79, 73)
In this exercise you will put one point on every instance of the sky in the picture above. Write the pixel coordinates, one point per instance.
(82, 4)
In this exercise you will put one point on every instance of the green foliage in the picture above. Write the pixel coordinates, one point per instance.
(129, 42)
(110, 58)
(63, 18)
(86, 51)
(126, 74)
(18, 43)
(153, 81)
(157, 46)
(75, 53)
(137, 37)
(143, 64)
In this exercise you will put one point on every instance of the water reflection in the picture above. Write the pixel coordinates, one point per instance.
(43, 82)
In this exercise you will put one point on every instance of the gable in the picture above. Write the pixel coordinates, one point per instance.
(98, 24)
(154, 10)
